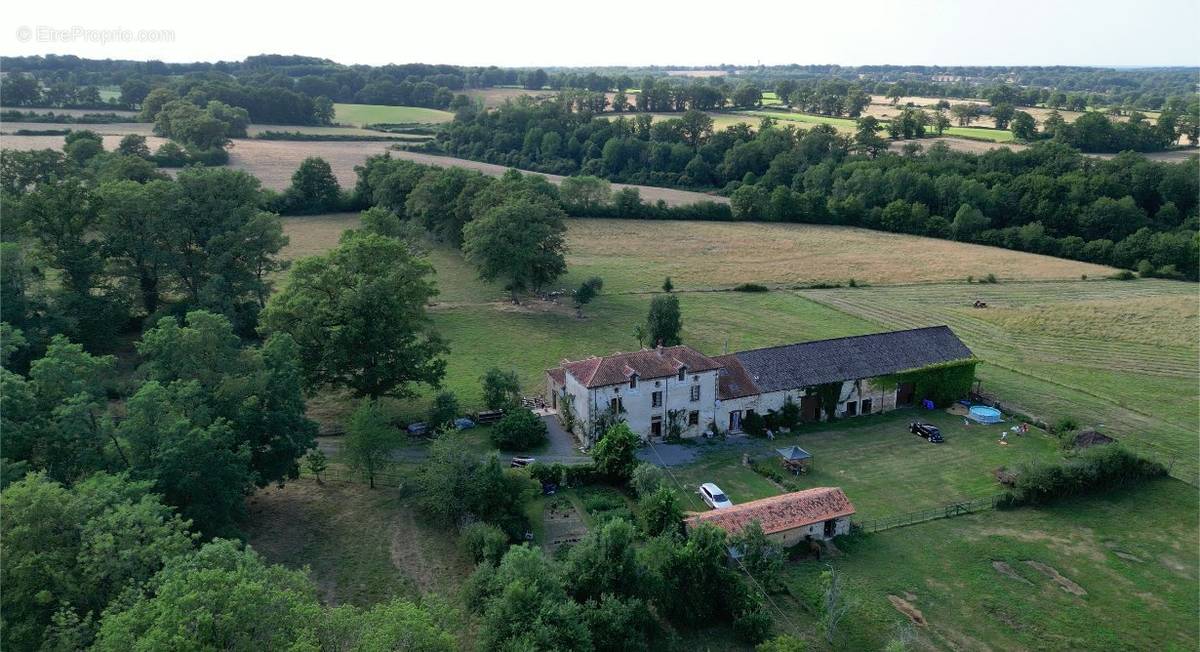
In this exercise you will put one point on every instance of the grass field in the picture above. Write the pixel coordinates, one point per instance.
(848, 125)
(359, 115)
(1135, 565)
(362, 546)
(705, 255)
(1122, 354)
(873, 457)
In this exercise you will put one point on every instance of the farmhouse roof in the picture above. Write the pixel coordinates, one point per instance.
(558, 375)
(780, 513)
(793, 366)
(733, 381)
(648, 363)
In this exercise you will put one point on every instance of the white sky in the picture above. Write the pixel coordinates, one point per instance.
(572, 33)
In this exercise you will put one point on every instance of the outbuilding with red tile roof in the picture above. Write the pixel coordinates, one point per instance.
(818, 513)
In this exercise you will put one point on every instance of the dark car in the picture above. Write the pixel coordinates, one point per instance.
(928, 431)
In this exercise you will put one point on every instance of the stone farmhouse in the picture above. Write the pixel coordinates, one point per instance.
(819, 513)
(678, 390)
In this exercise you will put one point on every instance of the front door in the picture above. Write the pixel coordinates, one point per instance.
(905, 393)
(656, 426)
(830, 529)
(735, 421)
(809, 406)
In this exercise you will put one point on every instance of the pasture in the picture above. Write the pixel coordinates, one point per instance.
(359, 115)
(1095, 573)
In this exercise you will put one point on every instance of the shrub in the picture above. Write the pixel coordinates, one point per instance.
(660, 513)
(646, 479)
(789, 414)
(754, 424)
(519, 430)
(1123, 275)
(444, 410)
(1065, 424)
(853, 283)
(751, 287)
(1100, 467)
(501, 389)
(990, 278)
(753, 627)
(614, 453)
(484, 542)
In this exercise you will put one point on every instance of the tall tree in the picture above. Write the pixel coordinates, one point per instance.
(358, 316)
(663, 323)
(521, 241)
(370, 439)
(70, 551)
(314, 188)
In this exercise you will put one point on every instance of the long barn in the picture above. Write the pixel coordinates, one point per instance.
(677, 387)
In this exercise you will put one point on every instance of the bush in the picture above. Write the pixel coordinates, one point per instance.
(990, 278)
(614, 454)
(444, 410)
(1123, 275)
(646, 479)
(754, 424)
(1100, 467)
(751, 287)
(501, 389)
(789, 414)
(1065, 424)
(484, 542)
(754, 627)
(519, 430)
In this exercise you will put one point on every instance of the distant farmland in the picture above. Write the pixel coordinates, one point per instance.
(359, 115)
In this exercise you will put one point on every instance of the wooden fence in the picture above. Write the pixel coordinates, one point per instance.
(387, 476)
(944, 511)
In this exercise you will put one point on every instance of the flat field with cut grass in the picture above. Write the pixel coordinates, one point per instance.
(358, 115)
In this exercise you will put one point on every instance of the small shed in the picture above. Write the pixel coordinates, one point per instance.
(795, 460)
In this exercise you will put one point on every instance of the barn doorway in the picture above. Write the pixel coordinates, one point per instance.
(905, 392)
(830, 529)
(735, 421)
(810, 407)
(656, 426)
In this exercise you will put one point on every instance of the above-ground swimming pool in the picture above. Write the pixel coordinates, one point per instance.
(985, 414)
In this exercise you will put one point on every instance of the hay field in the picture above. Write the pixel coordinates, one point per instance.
(493, 97)
(56, 142)
(635, 255)
(359, 115)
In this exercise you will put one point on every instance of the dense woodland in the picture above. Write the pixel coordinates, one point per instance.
(153, 378)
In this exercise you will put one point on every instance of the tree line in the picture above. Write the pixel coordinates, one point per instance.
(1046, 199)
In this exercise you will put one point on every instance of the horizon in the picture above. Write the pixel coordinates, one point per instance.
(539, 33)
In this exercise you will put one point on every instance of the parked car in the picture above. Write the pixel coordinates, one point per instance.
(714, 497)
(928, 431)
(521, 462)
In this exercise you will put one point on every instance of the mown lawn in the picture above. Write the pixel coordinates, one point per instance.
(1130, 554)
(884, 469)
(1120, 356)
(358, 115)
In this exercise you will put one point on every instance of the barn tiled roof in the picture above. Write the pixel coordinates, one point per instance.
(794, 366)
(647, 363)
(780, 513)
(733, 381)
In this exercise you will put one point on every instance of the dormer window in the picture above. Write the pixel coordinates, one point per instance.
(633, 382)
(682, 373)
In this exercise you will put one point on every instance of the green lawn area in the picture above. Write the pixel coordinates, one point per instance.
(996, 135)
(1132, 552)
(358, 115)
(1116, 355)
(845, 124)
(883, 468)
